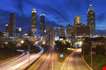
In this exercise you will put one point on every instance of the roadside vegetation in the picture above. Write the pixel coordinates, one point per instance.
(98, 56)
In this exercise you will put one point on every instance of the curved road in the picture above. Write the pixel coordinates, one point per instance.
(20, 62)
(50, 61)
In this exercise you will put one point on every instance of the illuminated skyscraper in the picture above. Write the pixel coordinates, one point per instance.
(34, 14)
(42, 23)
(91, 19)
(50, 36)
(77, 20)
(11, 24)
(6, 27)
(69, 30)
(77, 26)
(79, 29)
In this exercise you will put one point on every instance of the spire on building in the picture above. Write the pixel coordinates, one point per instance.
(34, 10)
(91, 18)
(90, 5)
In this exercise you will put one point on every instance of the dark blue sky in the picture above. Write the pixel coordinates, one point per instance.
(61, 12)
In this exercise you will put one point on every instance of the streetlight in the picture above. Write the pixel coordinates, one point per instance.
(91, 50)
(27, 45)
(19, 29)
(28, 52)
(91, 56)
(5, 43)
(22, 41)
(43, 42)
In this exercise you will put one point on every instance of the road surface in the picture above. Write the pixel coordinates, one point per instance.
(20, 62)
(51, 61)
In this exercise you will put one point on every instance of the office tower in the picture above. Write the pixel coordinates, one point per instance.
(77, 20)
(77, 28)
(34, 19)
(50, 35)
(6, 27)
(91, 19)
(68, 30)
(42, 23)
(11, 24)
(62, 31)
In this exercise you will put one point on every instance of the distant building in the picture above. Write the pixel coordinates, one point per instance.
(6, 27)
(62, 31)
(42, 23)
(79, 29)
(50, 35)
(69, 31)
(56, 31)
(11, 25)
(91, 19)
(34, 14)
(59, 31)
(77, 20)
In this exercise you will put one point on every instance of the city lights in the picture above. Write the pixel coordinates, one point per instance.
(19, 29)
(52, 35)
(56, 38)
(61, 55)
(78, 43)
(6, 43)
(22, 41)
(43, 42)
(34, 10)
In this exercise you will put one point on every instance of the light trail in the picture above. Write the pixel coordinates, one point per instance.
(51, 62)
(10, 60)
(21, 62)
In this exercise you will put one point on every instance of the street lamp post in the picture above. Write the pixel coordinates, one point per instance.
(28, 50)
(91, 56)
(91, 50)
(29, 54)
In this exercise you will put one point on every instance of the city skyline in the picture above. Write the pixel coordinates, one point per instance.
(52, 35)
(59, 12)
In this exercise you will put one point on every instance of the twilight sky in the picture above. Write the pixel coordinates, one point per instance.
(61, 12)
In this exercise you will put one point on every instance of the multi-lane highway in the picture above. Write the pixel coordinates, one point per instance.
(20, 62)
(51, 61)
(46, 61)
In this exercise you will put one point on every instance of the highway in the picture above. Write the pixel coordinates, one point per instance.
(20, 62)
(45, 61)
(51, 61)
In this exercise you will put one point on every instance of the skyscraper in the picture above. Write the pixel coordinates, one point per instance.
(11, 24)
(42, 23)
(62, 32)
(6, 27)
(77, 28)
(91, 19)
(69, 30)
(34, 14)
(50, 35)
(77, 20)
